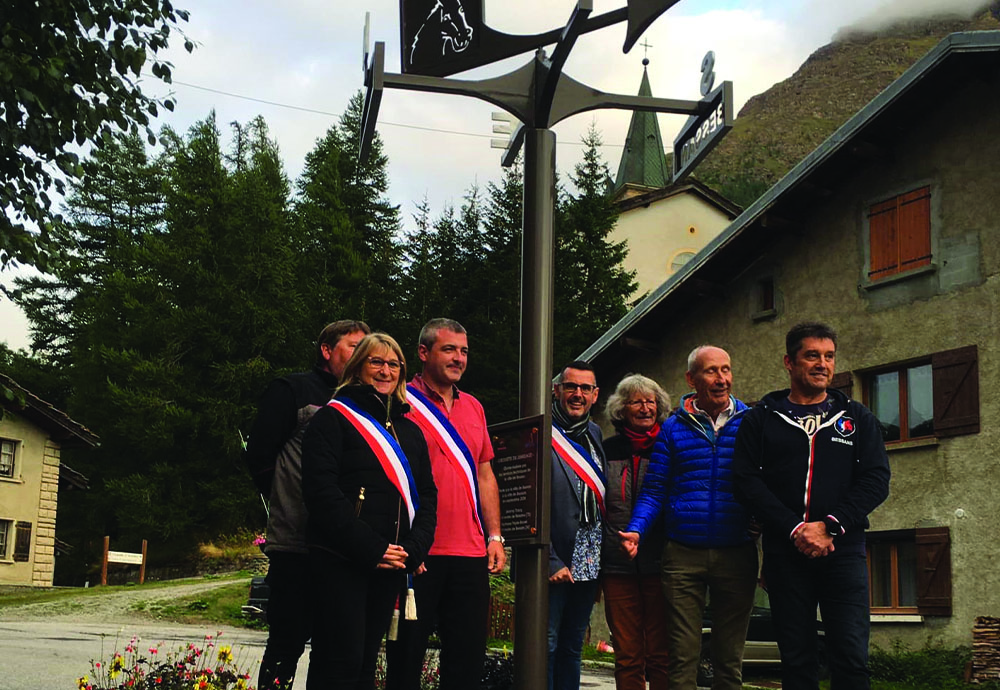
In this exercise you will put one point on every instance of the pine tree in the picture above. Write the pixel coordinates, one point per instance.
(495, 336)
(591, 284)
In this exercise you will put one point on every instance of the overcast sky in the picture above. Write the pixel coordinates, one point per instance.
(298, 62)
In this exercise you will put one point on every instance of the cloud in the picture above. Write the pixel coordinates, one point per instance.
(307, 54)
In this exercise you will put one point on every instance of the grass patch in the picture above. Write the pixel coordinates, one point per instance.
(22, 596)
(220, 606)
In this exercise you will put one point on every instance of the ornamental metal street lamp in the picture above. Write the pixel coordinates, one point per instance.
(443, 37)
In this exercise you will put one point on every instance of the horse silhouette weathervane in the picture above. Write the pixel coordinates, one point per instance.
(443, 37)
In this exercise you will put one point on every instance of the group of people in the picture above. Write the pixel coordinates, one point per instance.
(382, 499)
(687, 496)
(383, 502)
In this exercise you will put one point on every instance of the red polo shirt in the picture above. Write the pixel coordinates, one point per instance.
(457, 532)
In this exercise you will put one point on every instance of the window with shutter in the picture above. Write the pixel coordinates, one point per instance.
(909, 571)
(899, 234)
(921, 399)
(22, 542)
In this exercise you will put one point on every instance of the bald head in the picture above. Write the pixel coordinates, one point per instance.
(710, 374)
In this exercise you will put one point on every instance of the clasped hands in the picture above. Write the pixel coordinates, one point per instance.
(629, 543)
(812, 540)
(395, 557)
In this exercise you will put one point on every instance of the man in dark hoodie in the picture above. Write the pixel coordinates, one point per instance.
(274, 458)
(810, 465)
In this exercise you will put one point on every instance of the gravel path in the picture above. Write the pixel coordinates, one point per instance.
(125, 606)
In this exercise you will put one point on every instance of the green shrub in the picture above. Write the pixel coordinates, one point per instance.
(932, 668)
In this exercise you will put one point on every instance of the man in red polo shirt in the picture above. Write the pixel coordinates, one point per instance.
(454, 592)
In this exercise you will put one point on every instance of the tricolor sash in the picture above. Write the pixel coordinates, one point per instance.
(579, 460)
(436, 426)
(386, 449)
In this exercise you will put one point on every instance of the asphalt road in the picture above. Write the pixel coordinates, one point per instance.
(52, 655)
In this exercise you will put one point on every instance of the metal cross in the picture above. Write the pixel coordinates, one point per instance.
(646, 45)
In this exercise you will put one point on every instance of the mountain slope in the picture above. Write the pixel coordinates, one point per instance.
(779, 127)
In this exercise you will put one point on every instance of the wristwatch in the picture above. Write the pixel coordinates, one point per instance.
(833, 527)
(496, 537)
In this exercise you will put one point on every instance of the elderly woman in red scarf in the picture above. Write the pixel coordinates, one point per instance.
(633, 594)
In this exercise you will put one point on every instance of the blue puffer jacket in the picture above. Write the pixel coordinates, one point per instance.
(690, 479)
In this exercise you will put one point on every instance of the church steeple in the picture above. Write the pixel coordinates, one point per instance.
(643, 162)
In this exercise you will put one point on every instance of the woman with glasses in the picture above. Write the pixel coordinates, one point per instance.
(633, 594)
(368, 488)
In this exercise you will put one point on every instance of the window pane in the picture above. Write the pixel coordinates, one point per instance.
(885, 403)
(4, 537)
(6, 458)
(906, 561)
(880, 559)
(921, 401)
(680, 260)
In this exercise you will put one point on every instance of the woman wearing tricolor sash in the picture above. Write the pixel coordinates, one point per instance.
(368, 488)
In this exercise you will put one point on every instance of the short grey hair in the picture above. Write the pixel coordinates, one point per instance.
(429, 333)
(629, 386)
(693, 357)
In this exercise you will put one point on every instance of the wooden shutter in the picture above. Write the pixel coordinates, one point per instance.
(22, 542)
(914, 229)
(843, 382)
(934, 571)
(882, 240)
(956, 391)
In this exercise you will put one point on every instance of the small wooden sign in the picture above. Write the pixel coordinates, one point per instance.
(127, 557)
(124, 557)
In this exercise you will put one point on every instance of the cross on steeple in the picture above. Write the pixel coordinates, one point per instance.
(646, 45)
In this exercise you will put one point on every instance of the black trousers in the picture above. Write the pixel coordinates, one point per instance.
(453, 596)
(353, 608)
(289, 619)
(839, 584)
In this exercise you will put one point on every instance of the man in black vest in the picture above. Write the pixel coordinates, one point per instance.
(274, 457)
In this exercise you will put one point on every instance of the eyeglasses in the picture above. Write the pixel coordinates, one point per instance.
(584, 388)
(377, 363)
(641, 403)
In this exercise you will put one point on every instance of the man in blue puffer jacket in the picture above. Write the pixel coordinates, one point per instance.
(710, 548)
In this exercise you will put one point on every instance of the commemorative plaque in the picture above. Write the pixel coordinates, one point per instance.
(517, 452)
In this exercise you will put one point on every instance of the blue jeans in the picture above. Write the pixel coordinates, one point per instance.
(570, 605)
(838, 583)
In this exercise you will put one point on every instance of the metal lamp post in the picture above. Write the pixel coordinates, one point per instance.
(539, 95)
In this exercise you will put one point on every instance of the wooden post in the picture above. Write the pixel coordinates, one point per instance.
(142, 568)
(104, 561)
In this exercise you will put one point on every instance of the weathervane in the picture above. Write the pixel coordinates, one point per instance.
(442, 37)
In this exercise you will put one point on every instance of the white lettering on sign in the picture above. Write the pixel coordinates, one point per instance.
(706, 129)
(124, 557)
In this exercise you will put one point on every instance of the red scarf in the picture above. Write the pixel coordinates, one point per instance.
(641, 440)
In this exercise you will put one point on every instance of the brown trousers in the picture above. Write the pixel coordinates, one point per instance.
(634, 607)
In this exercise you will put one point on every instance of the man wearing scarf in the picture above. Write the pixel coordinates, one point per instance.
(577, 500)
(711, 547)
